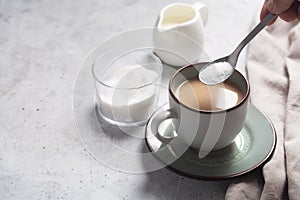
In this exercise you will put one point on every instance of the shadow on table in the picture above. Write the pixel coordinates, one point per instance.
(119, 132)
(164, 184)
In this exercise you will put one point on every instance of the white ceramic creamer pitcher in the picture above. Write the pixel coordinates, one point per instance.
(178, 38)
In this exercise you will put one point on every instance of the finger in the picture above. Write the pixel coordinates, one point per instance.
(298, 12)
(279, 6)
(264, 12)
(289, 15)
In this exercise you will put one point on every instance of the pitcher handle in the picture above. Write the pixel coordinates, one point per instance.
(202, 9)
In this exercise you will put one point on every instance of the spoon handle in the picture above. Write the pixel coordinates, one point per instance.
(233, 57)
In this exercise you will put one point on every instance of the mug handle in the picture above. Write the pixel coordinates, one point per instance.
(202, 9)
(154, 123)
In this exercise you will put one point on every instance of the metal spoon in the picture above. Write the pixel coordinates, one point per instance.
(221, 69)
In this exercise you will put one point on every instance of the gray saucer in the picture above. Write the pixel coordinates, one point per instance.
(251, 149)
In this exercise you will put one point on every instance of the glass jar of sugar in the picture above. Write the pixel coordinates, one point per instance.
(126, 86)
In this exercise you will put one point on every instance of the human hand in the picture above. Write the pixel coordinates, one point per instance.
(288, 10)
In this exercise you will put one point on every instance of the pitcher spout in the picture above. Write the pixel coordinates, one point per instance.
(178, 37)
(176, 15)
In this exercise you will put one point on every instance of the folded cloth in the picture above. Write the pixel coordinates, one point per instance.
(273, 69)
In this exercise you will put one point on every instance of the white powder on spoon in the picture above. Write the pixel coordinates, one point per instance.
(216, 73)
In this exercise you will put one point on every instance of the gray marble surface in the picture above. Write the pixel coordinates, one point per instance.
(42, 46)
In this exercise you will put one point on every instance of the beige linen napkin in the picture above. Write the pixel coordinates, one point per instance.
(273, 67)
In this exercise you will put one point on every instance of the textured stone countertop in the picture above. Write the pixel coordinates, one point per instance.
(42, 46)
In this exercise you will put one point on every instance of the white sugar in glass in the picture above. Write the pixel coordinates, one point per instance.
(126, 86)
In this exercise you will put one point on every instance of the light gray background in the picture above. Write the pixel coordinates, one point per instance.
(42, 46)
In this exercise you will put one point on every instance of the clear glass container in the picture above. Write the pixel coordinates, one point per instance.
(126, 86)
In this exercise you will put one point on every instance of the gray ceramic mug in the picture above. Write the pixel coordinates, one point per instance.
(201, 129)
